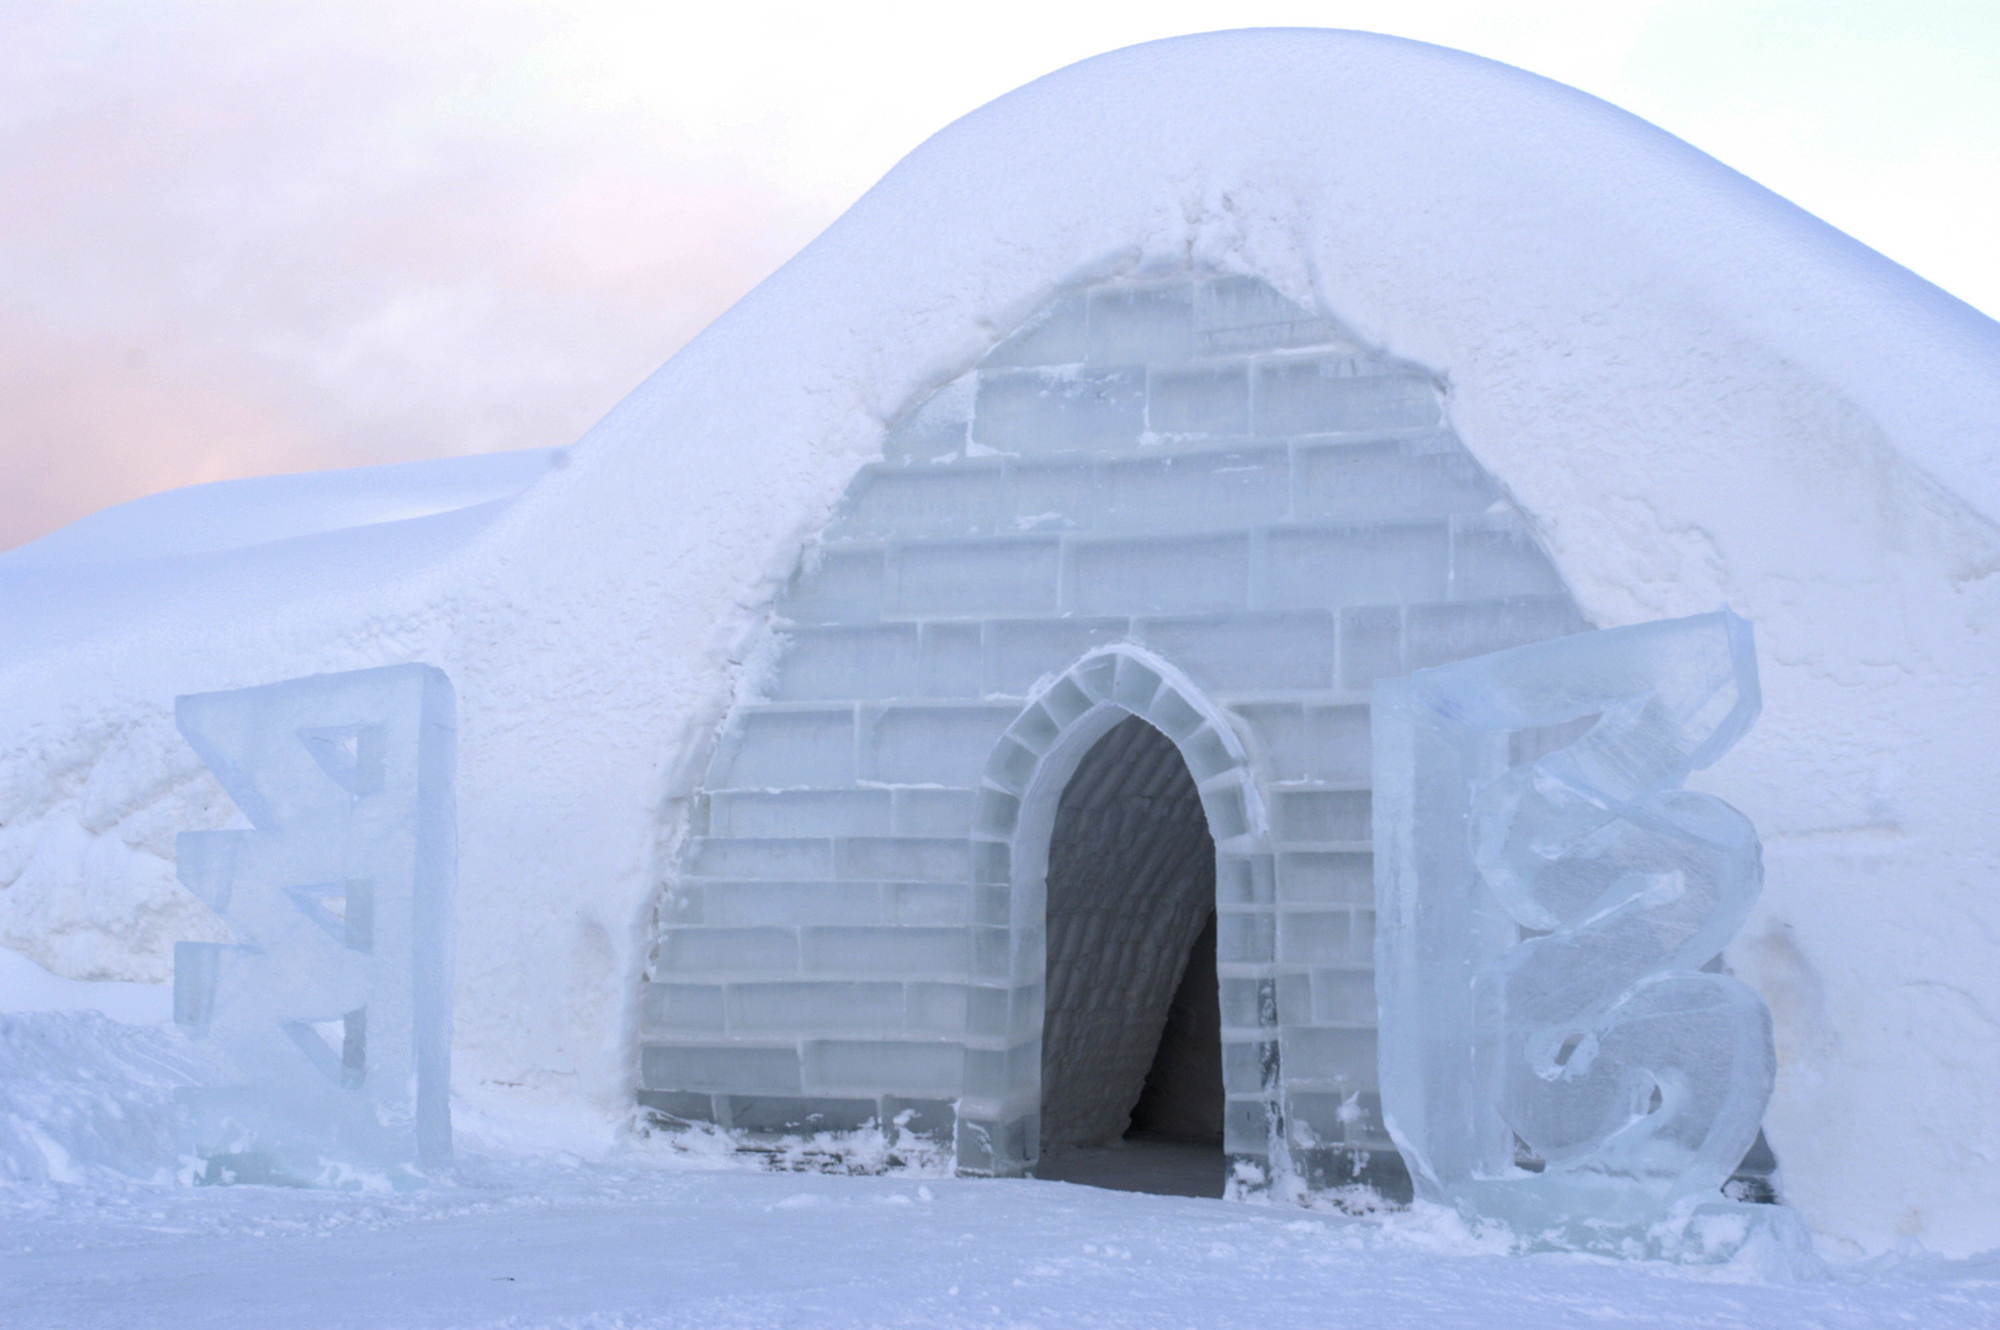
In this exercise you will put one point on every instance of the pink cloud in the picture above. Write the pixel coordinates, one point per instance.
(322, 248)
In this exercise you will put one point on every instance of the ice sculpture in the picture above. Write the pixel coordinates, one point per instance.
(334, 1003)
(1548, 897)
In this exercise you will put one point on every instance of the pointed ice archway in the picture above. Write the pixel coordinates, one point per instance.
(1021, 789)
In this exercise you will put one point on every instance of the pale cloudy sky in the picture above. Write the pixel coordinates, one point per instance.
(238, 238)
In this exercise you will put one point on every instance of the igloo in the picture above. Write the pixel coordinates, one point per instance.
(865, 721)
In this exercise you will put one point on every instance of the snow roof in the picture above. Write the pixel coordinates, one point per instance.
(1544, 252)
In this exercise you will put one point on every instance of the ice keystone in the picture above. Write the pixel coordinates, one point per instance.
(334, 1002)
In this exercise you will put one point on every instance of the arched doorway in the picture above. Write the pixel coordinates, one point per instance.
(1140, 855)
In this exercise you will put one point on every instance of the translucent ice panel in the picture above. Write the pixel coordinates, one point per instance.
(334, 1003)
(1548, 896)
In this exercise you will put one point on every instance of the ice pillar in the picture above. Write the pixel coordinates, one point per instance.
(1553, 1053)
(334, 1002)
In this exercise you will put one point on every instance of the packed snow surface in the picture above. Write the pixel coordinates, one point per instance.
(1695, 393)
(682, 1233)
(522, 1244)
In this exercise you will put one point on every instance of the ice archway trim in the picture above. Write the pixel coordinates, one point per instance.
(1020, 789)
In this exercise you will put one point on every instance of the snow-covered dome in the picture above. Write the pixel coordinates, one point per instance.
(1682, 391)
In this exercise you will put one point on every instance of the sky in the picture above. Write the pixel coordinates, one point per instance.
(246, 238)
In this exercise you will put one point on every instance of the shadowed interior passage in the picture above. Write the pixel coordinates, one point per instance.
(1131, 958)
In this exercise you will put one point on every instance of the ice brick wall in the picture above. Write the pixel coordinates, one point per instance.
(1257, 519)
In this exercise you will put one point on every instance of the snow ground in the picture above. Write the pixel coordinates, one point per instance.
(544, 1243)
(95, 1234)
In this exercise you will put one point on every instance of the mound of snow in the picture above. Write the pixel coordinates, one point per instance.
(236, 514)
(27, 987)
(88, 1071)
(86, 1098)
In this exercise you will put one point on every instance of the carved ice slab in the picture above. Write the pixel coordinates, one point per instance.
(334, 1003)
(1553, 1053)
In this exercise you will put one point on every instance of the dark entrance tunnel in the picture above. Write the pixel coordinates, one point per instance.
(1132, 1092)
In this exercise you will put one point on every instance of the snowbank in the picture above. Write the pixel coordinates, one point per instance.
(1696, 392)
(87, 1075)
(538, 1244)
(27, 987)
